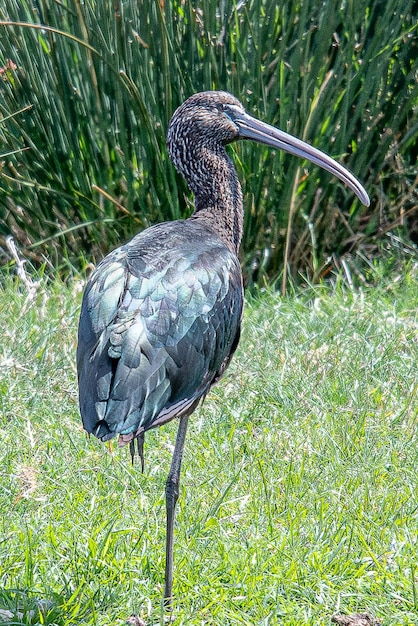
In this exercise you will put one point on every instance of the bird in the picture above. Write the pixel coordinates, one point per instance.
(161, 315)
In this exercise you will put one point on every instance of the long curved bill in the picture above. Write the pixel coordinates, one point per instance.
(251, 128)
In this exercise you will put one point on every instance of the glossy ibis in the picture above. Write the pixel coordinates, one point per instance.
(160, 317)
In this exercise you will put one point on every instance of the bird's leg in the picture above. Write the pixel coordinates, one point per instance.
(140, 445)
(171, 496)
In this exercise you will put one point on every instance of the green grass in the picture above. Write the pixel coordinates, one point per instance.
(299, 488)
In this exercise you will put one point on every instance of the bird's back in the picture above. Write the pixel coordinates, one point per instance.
(159, 323)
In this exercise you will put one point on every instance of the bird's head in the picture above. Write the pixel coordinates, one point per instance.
(212, 119)
(205, 118)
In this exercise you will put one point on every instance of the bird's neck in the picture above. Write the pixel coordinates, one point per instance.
(218, 196)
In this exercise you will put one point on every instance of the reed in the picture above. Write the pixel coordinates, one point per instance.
(87, 90)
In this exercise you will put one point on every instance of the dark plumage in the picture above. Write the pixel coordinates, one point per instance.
(159, 323)
(161, 315)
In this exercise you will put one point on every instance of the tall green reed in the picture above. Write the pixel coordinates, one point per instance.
(102, 81)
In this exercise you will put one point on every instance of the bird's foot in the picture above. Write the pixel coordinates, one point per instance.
(355, 619)
(134, 620)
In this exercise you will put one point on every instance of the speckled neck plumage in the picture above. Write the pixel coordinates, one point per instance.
(218, 197)
(196, 140)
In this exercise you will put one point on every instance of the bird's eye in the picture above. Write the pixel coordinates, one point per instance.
(226, 108)
(231, 111)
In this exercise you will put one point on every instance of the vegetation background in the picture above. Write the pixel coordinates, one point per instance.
(299, 486)
(88, 88)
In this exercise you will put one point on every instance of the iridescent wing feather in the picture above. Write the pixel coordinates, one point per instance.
(160, 321)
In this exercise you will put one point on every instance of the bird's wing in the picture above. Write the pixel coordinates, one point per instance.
(160, 320)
